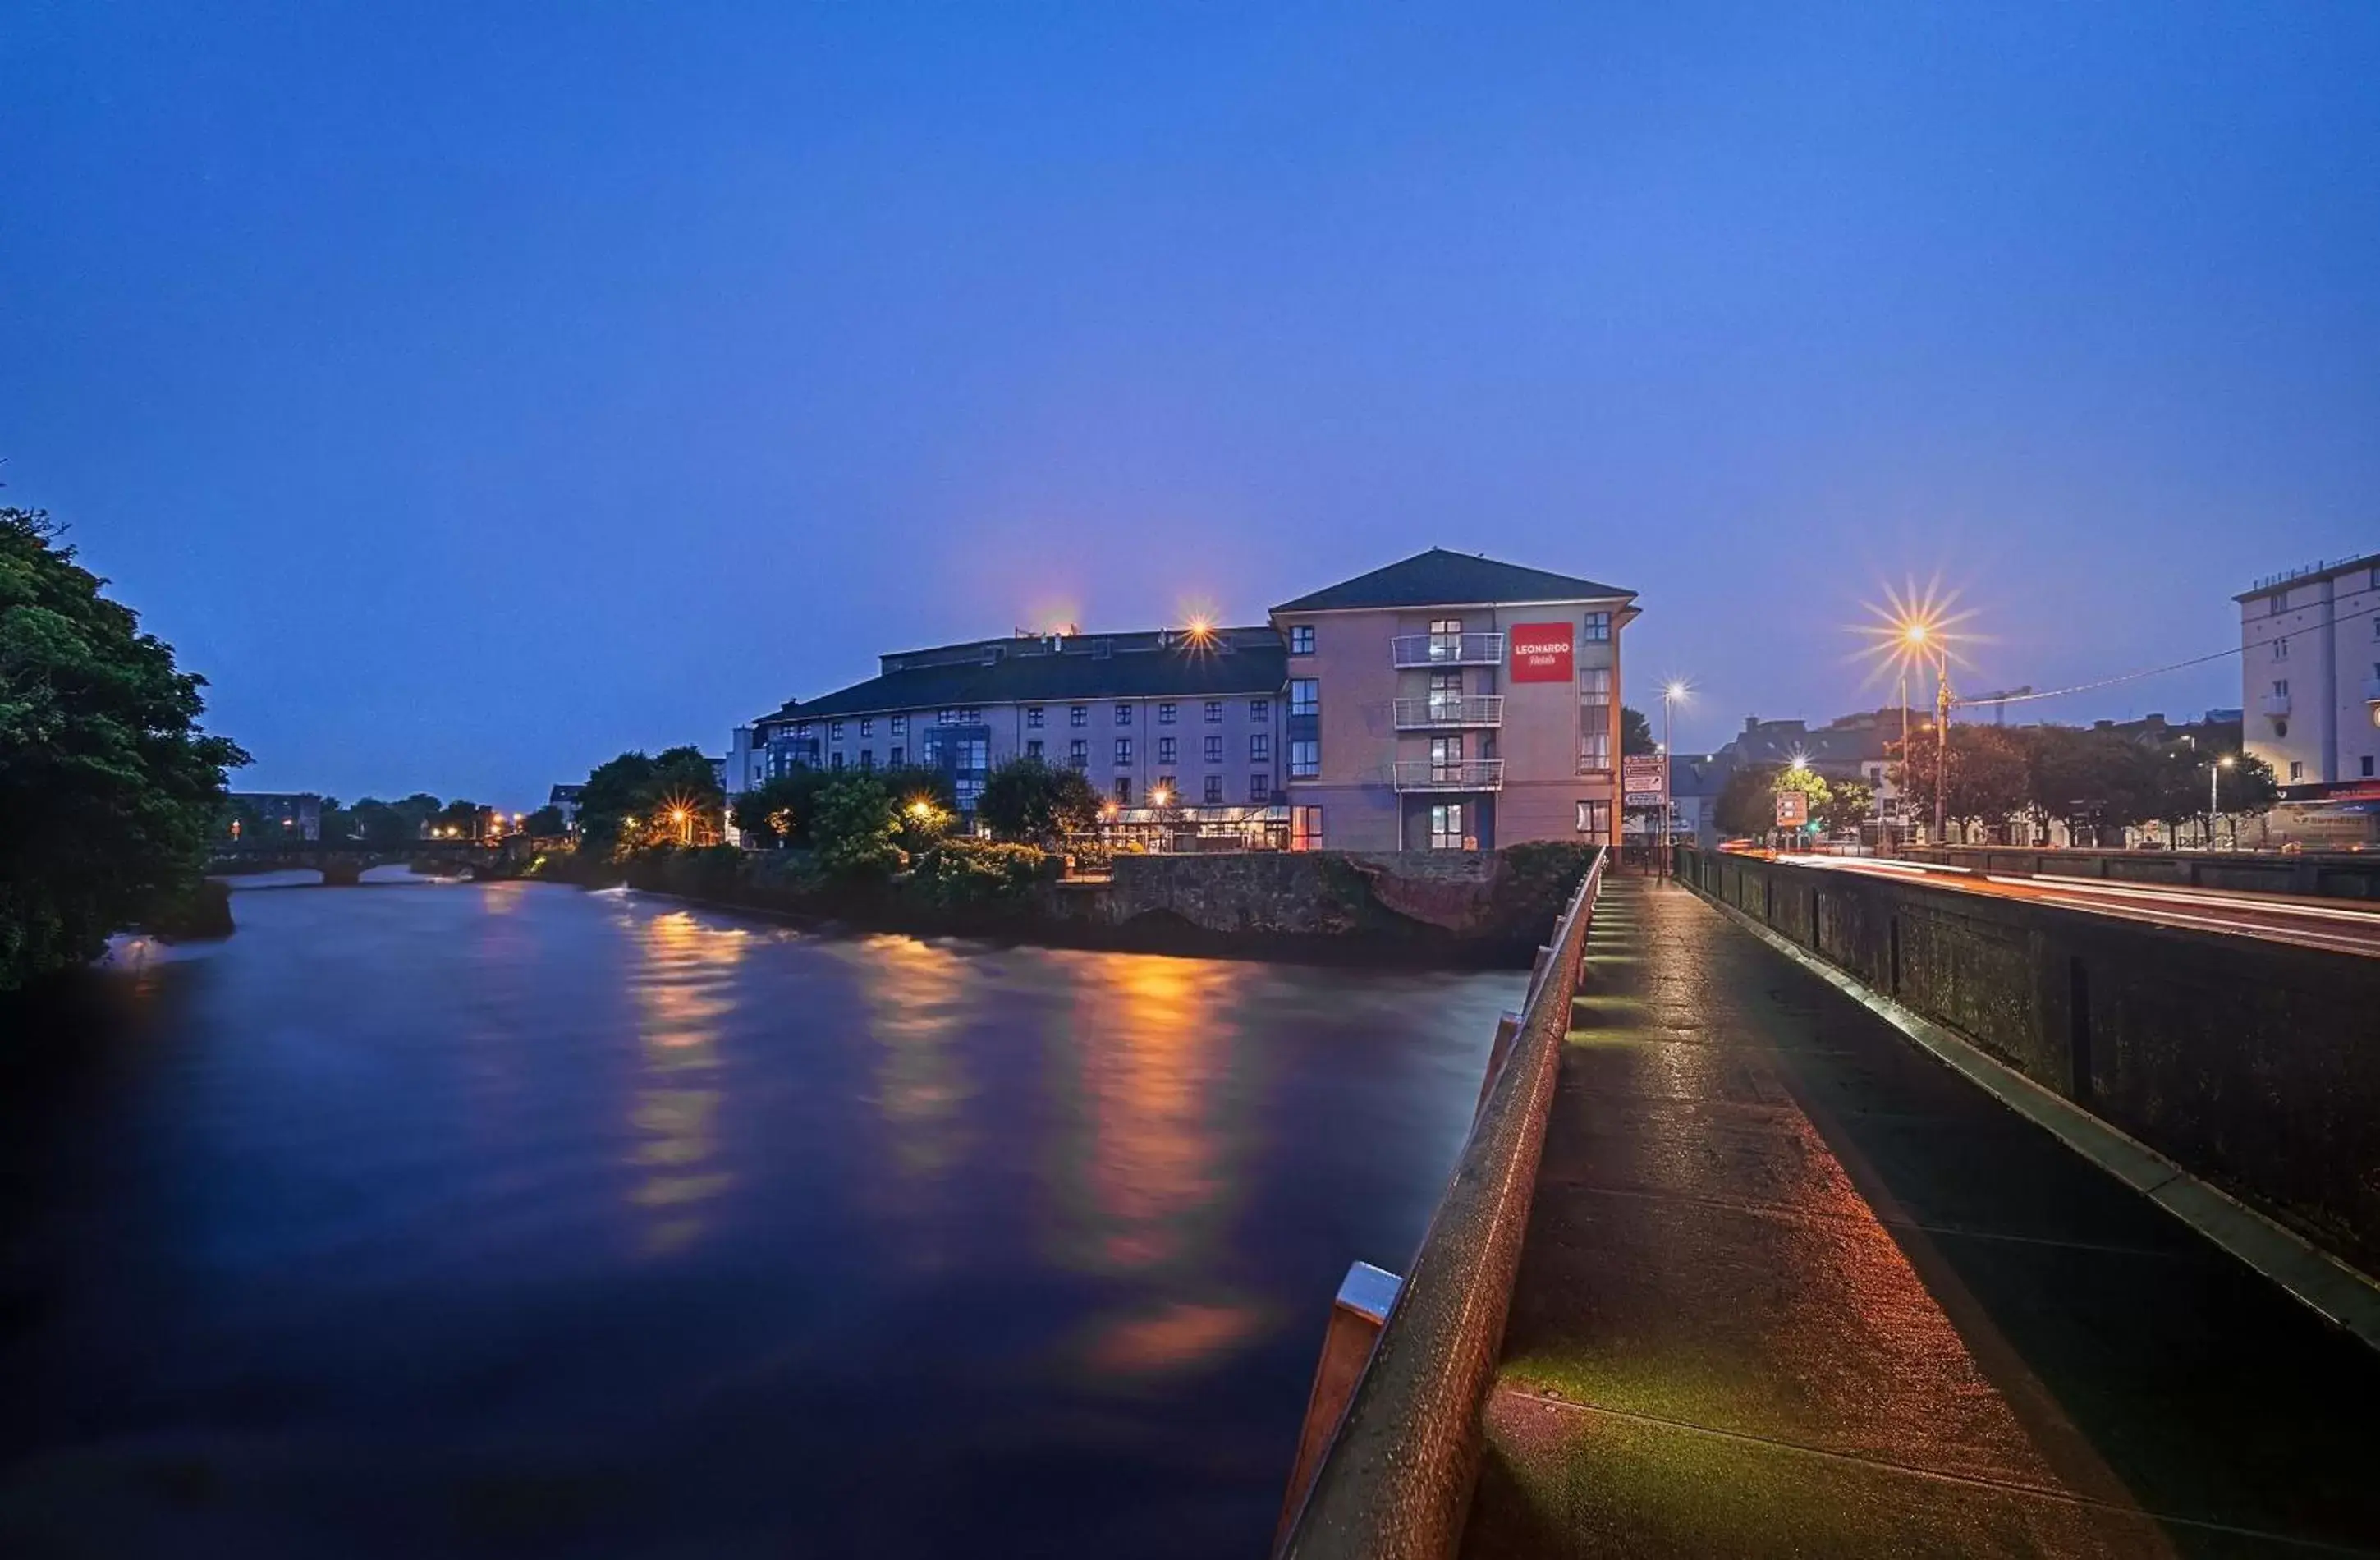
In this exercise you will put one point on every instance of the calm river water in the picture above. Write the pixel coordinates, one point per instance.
(447, 1219)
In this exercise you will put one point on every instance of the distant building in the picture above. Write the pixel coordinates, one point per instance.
(2310, 675)
(292, 816)
(1855, 747)
(564, 800)
(1194, 717)
(1453, 702)
(1695, 782)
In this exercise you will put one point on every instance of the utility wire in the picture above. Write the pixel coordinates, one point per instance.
(2151, 672)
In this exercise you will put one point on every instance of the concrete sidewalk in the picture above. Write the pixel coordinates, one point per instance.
(1791, 1287)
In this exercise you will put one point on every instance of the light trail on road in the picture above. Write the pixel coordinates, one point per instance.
(2328, 925)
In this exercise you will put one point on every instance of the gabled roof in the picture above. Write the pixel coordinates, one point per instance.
(1135, 667)
(1439, 578)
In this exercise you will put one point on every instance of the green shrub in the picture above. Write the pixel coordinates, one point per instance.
(974, 871)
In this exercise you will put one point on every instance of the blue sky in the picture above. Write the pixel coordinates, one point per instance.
(471, 392)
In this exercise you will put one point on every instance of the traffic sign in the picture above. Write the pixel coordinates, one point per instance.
(1645, 780)
(1793, 809)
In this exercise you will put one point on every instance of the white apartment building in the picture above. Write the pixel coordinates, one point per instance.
(2309, 676)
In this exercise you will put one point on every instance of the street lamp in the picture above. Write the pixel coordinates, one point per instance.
(1918, 637)
(1673, 693)
(683, 820)
(2215, 768)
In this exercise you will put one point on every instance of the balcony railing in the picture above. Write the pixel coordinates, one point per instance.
(1452, 775)
(2275, 705)
(1478, 709)
(1447, 650)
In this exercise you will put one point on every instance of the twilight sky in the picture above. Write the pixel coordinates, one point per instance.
(473, 391)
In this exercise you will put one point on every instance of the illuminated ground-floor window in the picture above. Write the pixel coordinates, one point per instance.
(1446, 821)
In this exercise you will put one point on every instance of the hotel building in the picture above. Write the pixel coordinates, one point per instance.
(1445, 702)
(2310, 678)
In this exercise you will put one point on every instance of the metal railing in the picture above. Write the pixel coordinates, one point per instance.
(2274, 704)
(1477, 709)
(1394, 1479)
(1447, 650)
(1448, 774)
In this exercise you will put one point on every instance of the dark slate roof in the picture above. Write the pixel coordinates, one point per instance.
(1439, 578)
(1027, 673)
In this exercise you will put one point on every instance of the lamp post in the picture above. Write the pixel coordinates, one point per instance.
(1672, 693)
(2215, 768)
(1918, 637)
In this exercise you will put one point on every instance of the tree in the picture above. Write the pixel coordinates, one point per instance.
(108, 789)
(1847, 805)
(1635, 731)
(778, 813)
(857, 829)
(391, 825)
(1747, 803)
(460, 819)
(1030, 801)
(651, 791)
(1989, 777)
(546, 822)
(338, 826)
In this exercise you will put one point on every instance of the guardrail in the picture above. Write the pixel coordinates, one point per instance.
(1467, 709)
(1446, 774)
(1446, 649)
(1398, 1435)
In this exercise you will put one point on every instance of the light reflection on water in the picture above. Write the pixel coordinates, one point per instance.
(684, 1234)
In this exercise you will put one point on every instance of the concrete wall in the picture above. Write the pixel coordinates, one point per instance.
(2253, 1063)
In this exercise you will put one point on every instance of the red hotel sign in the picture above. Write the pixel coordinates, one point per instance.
(1541, 652)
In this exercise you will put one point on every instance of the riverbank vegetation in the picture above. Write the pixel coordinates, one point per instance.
(109, 790)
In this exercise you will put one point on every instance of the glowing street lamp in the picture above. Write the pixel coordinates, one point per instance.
(2215, 769)
(1673, 693)
(685, 821)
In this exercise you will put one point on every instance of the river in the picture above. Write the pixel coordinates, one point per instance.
(509, 1219)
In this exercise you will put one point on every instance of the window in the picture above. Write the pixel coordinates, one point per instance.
(2280, 647)
(1306, 828)
(867, 758)
(1033, 747)
(834, 732)
(896, 755)
(1167, 713)
(1214, 750)
(1445, 638)
(1304, 758)
(1078, 714)
(1259, 746)
(1594, 751)
(1445, 758)
(1445, 695)
(1214, 789)
(900, 724)
(2367, 766)
(1598, 628)
(1301, 636)
(1124, 714)
(1123, 751)
(836, 760)
(1123, 790)
(1259, 788)
(1165, 748)
(1164, 792)
(2297, 770)
(1214, 711)
(1079, 753)
(802, 729)
(1034, 715)
(1595, 821)
(1259, 709)
(867, 725)
(1595, 684)
(1305, 696)
(2280, 687)
(1446, 827)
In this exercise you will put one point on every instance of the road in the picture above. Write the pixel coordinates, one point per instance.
(2312, 923)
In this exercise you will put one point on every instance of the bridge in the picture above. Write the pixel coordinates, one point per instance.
(343, 863)
(1817, 1211)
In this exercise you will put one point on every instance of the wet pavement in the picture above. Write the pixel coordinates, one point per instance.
(1791, 1287)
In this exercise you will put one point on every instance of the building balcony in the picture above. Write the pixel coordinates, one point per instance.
(2275, 705)
(1450, 713)
(1453, 774)
(2371, 691)
(1447, 650)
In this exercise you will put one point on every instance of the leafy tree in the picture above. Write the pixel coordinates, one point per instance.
(546, 822)
(1747, 802)
(1635, 731)
(2249, 787)
(1028, 800)
(108, 790)
(647, 790)
(857, 829)
(392, 825)
(338, 824)
(1845, 806)
(1988, 774)
(462, 817)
